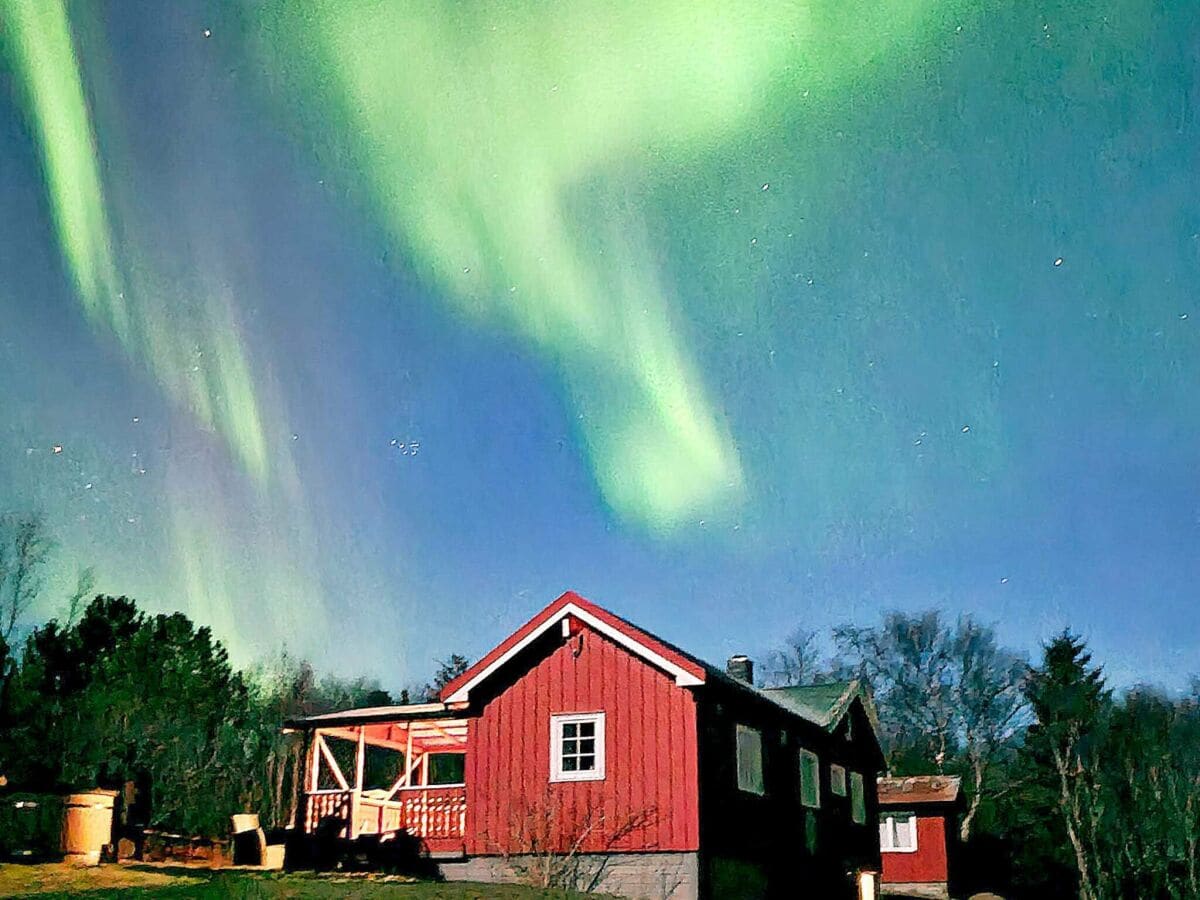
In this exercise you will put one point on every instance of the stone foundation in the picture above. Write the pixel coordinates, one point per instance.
(638, 876)
(931, 890)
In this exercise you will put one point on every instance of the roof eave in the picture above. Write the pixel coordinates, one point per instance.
(369, 715)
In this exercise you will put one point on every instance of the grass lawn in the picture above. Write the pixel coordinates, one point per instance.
(145, 882)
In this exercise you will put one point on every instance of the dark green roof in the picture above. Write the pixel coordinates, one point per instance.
(824, 704)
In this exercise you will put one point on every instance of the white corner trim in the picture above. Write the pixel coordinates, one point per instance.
(683, 678)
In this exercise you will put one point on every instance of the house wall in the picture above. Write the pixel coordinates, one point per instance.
(929, 863)
(650, 765)
(773, 846)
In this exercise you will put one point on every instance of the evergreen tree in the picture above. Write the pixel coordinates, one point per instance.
(1070, 704)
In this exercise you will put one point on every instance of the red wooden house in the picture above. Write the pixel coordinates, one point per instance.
(587, 746)
(917, 831)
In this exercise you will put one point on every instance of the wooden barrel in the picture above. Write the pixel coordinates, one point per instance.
(87, 826)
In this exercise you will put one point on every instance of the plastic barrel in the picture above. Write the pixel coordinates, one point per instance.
(87, 826)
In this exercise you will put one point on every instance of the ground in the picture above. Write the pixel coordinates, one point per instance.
(146, 882)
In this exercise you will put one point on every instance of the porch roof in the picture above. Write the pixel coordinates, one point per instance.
(367, 715)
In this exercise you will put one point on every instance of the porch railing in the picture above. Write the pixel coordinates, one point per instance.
(322, 805)
(428, 812)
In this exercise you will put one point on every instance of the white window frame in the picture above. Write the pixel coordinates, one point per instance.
(858, 799)
(888, 833)
(837, 779)
(814, 770)
(746, 780)
(557, 773)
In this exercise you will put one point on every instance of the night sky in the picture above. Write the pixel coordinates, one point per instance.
(370, 328)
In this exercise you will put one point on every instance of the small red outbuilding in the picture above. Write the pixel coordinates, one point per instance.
(917, 831)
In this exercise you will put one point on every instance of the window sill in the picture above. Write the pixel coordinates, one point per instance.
(576, 776)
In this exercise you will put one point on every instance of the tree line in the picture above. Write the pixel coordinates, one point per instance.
(106, 693)
(1072, 788)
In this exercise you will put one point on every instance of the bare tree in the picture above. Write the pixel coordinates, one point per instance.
(797, 663)
(25, 548)
(991, 706)
(945, 694)
(85, 583)
(909, 663)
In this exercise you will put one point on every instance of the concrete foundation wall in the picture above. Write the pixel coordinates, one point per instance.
(932, 890)
(638, 876)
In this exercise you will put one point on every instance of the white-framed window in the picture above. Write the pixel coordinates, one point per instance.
(837, 779)
(750, 761)
(858, 800)
(810, 779)
(577, 747)
(898, 833)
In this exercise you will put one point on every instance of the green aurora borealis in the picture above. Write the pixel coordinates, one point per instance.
(686, 302)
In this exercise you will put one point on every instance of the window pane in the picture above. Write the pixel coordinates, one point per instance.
(858, 802)
(906, 838)
(577, 747)
(749, 760)
(810, 779)
(837, 780)
(885, 835)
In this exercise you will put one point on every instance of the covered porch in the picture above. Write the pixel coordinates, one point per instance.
(385, 770)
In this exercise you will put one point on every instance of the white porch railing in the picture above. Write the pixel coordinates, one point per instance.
(436, 811)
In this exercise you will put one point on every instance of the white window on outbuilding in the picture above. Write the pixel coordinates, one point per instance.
(810, 779)
(898, 833)
(750, 761)
(858, 800)
(577, 747)
(837, 779)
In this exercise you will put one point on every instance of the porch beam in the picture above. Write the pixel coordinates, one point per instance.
(332, 763)
(351, 734)
(408, 759)
(313, 761)
(356, 798)
(405, 778)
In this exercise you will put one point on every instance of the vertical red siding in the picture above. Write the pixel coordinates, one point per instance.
(650, 754)
(928, 863)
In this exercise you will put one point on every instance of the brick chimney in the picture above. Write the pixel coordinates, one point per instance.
(741, 668)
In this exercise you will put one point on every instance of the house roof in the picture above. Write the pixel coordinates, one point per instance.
(686, 669)
(824, 704)
(918, 789)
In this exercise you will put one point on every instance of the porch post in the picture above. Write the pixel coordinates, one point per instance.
(300, 781)
(408, 760)
(356, 797)
(314, 767)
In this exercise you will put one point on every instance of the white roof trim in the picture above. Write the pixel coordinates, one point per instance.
(683, 678)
